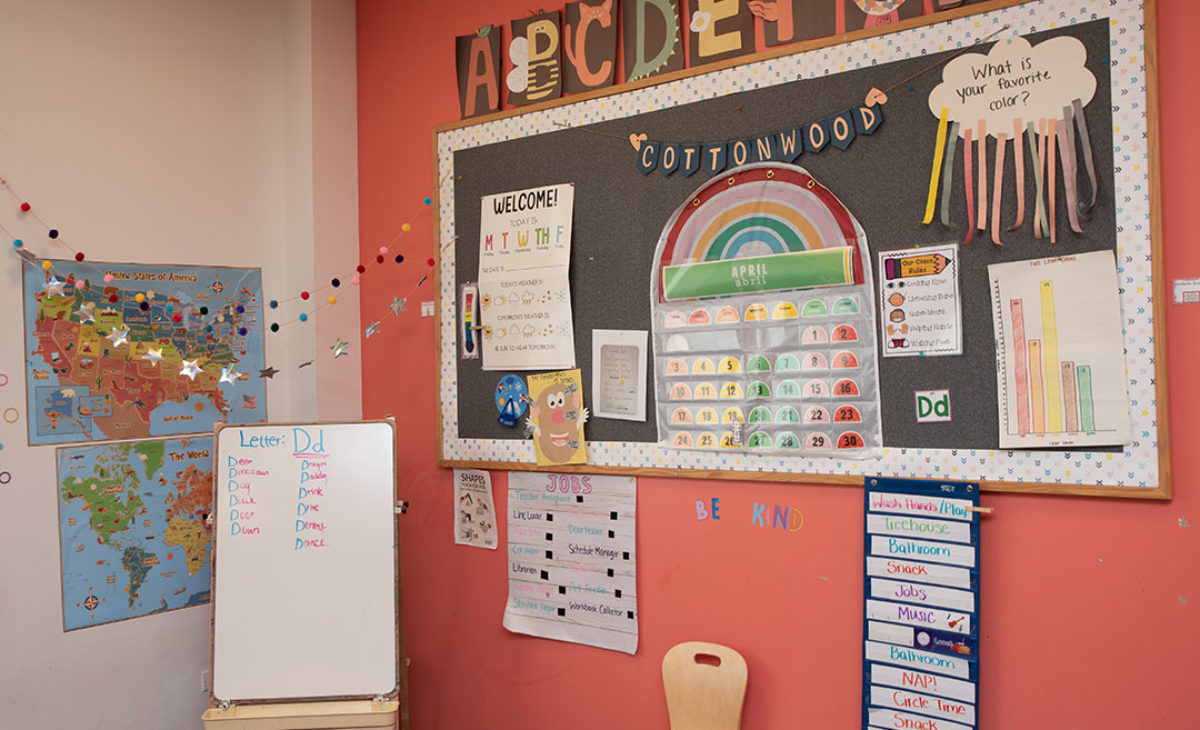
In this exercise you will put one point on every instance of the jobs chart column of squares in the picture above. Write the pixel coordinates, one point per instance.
(921, 587)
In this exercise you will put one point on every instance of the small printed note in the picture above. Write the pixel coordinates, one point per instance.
(474, 511)
(619, 374)
(921, 592)
(921, 313)
(572, 558)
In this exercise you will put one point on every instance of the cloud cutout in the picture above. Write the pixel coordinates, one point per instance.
(1014, 81)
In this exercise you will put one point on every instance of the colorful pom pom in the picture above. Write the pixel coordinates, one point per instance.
(383, 250)
(144, 306)
(79, 256)
(428, 201)
(242, 331)
(429, 262)
(274, 326)
(406, 228)
(274, 304)
(335, 282)
(354, 281)
(53, 233)
(303, 317)
(18, 243)
(108, 278)
(46, 266)
(379, 259)
(333, 300)
(203, 310)
(304, 295)
(139, 297)
(177, 318)
(360, 268)
(112, 298)
(26, 207)
(240, 309)
(399, 258)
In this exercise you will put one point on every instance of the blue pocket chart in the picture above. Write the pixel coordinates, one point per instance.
(921, 613)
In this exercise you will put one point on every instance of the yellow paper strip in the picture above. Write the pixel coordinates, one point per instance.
(935, 175)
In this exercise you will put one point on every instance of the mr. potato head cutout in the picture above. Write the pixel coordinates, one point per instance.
(556, 418)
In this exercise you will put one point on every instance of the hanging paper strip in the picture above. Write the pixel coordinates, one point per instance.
(837, 130)
(1019, 158)
(948, 172)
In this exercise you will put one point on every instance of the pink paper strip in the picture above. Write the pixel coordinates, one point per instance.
(983, 199)
(1051, 170)
(967, 186)
(998, 187)
(1019, 158)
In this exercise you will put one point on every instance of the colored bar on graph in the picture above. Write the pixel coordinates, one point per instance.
(1070, 399)
(1087, 409)
(1054, 420)
(1036, 405)
(1020, 365)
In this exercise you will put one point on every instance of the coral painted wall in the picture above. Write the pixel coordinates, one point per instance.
(1090, 605)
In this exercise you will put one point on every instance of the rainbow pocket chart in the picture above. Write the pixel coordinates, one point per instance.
(921, 612)
(764, 320)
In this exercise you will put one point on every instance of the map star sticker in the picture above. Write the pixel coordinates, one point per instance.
(153, 354)
(267, 373)
(229, 375)
(372, 329)
(54, 287)
(190, 369)
(85, 314)
(398, 305)
(340, 348)
(119, 336)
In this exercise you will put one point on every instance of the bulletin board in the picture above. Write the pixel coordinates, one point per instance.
(619, 214)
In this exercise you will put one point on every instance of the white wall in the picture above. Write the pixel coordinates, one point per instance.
(161, 131)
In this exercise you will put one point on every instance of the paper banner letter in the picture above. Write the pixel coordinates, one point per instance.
(590, 40)
(791, 144)
(668, 159)
(860, 14)
(714, 159)
(788, 21)
(652, 41)
(478, 65)
(720, 29)
(648, 157)
(689, 160)
(868, 118)
(766, 148)
(534, 51)
(816, 136)
(739, 152)
(841, 130)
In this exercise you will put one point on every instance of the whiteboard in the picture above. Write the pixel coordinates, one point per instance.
(304, 574)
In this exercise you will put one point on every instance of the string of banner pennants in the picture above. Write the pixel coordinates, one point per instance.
(837, 130)
(59, 282)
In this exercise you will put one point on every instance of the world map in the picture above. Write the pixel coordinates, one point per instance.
(142, 354)
(133, 521)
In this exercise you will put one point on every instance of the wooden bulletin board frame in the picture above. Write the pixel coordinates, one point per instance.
(1141, 470)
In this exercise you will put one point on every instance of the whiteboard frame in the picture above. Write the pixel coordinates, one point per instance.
(525, 121)
(400, 691)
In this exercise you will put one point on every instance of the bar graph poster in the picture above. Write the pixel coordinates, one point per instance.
(1060, 358)
(921, 589)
